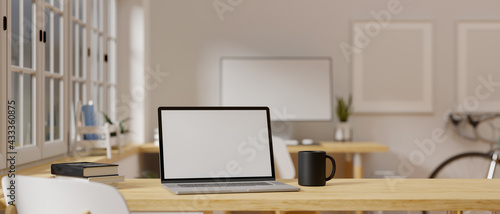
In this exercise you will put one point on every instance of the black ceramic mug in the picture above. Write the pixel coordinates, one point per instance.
(312, 167)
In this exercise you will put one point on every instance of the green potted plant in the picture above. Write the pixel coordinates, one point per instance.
(122, 128)
(343, 130)
(344, 110)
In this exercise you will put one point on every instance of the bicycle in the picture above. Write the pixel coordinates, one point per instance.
(469, 164)
(473, 164)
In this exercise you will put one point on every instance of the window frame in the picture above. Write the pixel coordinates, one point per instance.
(3, 81)
(111, 59)
(41, 148)
(98, 81)
(83, 79)
(88, 79)
(54, 147)
(87, 76)
(30, 153)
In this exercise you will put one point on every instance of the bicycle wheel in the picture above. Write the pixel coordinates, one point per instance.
(466, 165)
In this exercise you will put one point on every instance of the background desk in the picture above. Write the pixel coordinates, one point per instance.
(338, 195)
(353, 152)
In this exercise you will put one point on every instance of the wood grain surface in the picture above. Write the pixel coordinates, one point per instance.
(337, 195)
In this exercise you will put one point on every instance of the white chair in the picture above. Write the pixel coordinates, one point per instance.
(283, 160)
(81, 130)
(55, 196)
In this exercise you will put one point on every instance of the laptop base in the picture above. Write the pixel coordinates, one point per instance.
(274, 186)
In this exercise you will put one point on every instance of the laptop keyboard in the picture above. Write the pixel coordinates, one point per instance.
(230, 184)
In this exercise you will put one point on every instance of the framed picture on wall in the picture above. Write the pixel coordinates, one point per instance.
(478, 65)
(392, 66)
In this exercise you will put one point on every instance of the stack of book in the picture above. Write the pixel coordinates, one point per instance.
(87, 171)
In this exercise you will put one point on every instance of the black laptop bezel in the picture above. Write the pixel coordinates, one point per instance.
(211, 179)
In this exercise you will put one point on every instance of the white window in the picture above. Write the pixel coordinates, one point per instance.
(93, 55)
(97, 56)
(102, 57)
(56, 56)
(3, 82)
(79, 51)
(23, 76)
(54, 73)
(79, 54)
(110, 83)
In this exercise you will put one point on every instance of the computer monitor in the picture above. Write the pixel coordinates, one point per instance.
(294, 88)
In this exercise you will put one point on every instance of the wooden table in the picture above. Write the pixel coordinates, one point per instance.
(147, 195)
(353, 152)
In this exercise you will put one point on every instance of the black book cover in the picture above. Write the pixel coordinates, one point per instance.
(75, 169)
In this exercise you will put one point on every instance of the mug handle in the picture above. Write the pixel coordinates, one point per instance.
(334, 166)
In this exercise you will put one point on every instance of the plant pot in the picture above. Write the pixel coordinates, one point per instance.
(342, 132)
(114, 140)
(122, 139)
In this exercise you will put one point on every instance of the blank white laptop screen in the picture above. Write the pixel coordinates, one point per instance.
(215, 143)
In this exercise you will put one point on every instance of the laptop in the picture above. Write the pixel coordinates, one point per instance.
(217, 150)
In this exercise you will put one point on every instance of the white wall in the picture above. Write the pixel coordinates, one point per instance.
(132, 50)
(188, 38)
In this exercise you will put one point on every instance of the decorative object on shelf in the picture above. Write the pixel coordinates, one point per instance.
(90, 135)
(122, 136)
(156, 137)
(343, 130)
(307, 142)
